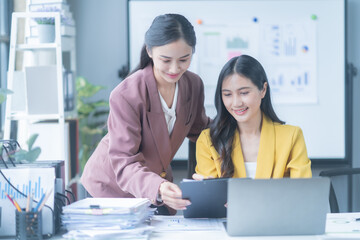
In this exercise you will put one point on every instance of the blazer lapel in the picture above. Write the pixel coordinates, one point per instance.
(237, 156)
(266, 154)
(156, 119)
(182, 115)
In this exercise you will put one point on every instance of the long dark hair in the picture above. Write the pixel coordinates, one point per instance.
(166, 29)
(222, 129)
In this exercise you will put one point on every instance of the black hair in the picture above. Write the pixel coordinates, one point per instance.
(222, 129)
(166, 29)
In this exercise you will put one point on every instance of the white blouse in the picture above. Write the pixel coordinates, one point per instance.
(170, 113)
(250, 169)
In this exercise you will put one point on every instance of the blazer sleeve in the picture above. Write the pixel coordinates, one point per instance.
(201, 120)
(204, 156)
(127, 161)
(299, 165)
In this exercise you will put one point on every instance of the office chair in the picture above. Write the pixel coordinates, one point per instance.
(334, 207)
(191, 159)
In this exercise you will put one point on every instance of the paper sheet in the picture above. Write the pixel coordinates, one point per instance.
(340, 223)
(179, 223)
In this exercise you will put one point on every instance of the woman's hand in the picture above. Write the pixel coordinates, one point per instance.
(172, 196)
(196, 176)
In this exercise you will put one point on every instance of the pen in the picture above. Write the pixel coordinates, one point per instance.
(17, 205)
(44, 201)
(13, 202)
(31, 202)
(28, 203)
(39, 203)
(9, 198)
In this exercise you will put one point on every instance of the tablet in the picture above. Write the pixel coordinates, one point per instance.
(208, 197)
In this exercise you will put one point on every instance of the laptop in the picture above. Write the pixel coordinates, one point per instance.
(271, 207)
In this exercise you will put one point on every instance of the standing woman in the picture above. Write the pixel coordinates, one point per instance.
(246, 138)
(151, 112)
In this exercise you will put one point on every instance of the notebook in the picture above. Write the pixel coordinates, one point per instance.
(270, 207)
(208, 197)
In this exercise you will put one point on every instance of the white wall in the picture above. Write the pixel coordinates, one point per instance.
(101, 41)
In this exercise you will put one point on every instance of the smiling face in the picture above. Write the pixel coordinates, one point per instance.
(170, 61)
(242, 98)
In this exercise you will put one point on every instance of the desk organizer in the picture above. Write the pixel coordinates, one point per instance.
(28, 225)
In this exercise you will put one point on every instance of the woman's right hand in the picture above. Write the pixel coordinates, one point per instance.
(171, 195)
(197, 176)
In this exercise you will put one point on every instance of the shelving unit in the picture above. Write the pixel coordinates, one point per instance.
(24, 117)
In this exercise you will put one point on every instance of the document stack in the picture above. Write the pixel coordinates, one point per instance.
(107, 218)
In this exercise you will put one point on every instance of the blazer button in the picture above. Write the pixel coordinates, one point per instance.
(163, 174)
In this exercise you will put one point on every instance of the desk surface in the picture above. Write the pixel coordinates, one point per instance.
(338, 226)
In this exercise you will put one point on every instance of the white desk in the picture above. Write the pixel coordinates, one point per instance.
(338, 226)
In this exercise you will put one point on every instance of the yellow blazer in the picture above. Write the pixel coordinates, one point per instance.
(282, 153)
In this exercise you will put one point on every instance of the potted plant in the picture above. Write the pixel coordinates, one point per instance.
(46, 25)
(30, 155)
(92, 118)
(22, 156)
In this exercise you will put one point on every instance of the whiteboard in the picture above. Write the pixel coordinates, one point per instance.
(300, 43)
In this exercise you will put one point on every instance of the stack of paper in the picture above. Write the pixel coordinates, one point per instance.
(105, 217)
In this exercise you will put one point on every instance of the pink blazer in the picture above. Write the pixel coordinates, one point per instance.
(137, 149)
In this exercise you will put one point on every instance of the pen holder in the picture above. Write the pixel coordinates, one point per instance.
(28, 225)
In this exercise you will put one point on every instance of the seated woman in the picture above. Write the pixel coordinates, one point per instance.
(246, 138)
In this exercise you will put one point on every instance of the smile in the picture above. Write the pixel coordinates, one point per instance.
(241, 111)
(173, 75)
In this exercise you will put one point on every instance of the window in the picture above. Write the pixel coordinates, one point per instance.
(6, 8)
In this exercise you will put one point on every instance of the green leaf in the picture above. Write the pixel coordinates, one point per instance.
(3, 93)
(2, 98)
(31, 140)
(20, 155)
(101, 104)
(101, 113)
(85, 89)
(33, 154)
(89, 131)
(80, 82)
(97, 124)
(85, 109)
(23, 156)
